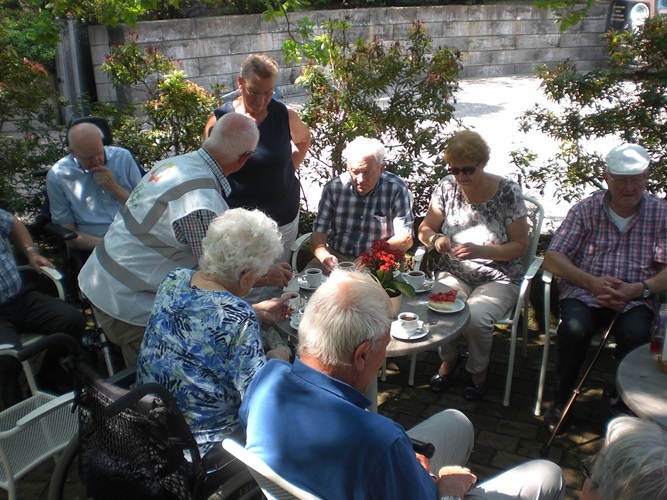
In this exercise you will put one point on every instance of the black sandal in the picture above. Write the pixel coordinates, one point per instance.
(442, 383)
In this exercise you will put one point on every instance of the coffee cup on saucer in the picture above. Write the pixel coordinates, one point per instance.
(293, 301)
(409, 322)
(313, 277)
(415, 279)
(346, 266)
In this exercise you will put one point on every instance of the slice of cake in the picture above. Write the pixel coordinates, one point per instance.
(443, 301)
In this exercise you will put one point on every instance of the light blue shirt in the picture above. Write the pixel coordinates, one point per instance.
(75, 197)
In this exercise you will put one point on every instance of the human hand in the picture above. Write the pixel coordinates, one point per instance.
(455, 481)
(329, 262)
(272, 310)
(467, 251)
(37, 260)
(278, 275)
(424, 462)
(103, 176)
(443, 245)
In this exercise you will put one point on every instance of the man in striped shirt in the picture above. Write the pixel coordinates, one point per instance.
(610, 253)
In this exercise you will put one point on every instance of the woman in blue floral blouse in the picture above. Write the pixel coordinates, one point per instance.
(203, 340)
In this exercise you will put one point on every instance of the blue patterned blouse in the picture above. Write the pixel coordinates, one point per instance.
(205, 347)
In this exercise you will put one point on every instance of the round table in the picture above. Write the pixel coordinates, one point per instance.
(443, 328)
(643, 386)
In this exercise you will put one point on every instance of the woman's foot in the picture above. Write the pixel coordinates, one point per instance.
(442, 382)
(476, 389)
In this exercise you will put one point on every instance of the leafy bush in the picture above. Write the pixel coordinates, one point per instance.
(395, 92)
(627, 101)
(171, 118)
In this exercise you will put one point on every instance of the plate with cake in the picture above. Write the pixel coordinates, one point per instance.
(445, 302)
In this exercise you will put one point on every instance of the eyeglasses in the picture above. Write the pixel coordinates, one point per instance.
(256, 93)
(586, 468)
(622, 179)
(463, 170)
(248, 152)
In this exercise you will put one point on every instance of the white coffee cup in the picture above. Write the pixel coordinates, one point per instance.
(313, 276)
(346, 266)
(294, 300)
(297, 315)
(415, 279)
(408, 321)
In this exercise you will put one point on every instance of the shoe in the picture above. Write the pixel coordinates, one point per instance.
(475, 392)
(442, 383)
(552, 417)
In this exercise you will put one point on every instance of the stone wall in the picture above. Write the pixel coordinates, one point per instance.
(495, 40)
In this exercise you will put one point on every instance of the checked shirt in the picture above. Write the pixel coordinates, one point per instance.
(352, 222)
(593, 243)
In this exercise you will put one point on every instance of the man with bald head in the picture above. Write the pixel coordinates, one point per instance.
(161, 227)
(87, 187)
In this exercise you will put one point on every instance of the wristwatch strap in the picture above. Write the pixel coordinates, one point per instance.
(647, 291)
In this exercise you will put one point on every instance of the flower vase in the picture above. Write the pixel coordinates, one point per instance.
(396, 303)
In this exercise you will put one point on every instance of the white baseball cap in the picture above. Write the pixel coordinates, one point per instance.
(628, 159)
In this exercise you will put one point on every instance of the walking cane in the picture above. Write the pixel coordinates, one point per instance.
(545, 450)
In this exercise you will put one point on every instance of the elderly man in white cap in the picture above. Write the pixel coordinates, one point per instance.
(610, 253)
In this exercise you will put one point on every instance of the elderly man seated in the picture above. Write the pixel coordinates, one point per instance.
(362, 205)
(308, 421)
(87, 187)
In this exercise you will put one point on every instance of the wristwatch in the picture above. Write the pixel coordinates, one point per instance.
(435, 237)
(450, 498)
(647, 291)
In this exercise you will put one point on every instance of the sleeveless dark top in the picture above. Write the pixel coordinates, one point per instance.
(267, 181)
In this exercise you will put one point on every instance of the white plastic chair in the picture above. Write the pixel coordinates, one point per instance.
(530, 264)
(32, 431)
(273, 486)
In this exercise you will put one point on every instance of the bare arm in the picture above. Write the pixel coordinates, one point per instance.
(430, 226)
(209, 125)
(300, 137)
(83, 241)
(318, 245)
(23, 241)
(401, 242)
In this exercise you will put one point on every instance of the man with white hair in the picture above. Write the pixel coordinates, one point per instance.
(610, 253)
(308, 421)
(88, 187)
(361, 205)
(161, 227)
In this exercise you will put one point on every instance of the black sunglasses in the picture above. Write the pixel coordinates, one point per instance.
(463, 170)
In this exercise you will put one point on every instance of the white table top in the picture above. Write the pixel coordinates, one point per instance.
(643, 386)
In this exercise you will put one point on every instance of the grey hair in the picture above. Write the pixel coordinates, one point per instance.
(363, 147)
(232, 135)
(239, 240)
(346, 310)
(633, 462)
(259, 65)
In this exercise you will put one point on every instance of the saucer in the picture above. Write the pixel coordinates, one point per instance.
(458, 306)
(303, 284)
(426, 287)
(398, 333)
(293, 324)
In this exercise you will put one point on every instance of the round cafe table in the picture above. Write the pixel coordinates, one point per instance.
(643, 386)
(443, 328)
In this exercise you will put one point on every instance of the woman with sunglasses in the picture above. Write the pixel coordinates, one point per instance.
(268, 181)
(477, 222)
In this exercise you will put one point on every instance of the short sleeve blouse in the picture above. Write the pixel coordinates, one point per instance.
(481, 224)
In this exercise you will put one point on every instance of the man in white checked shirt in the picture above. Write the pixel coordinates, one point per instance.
(362, 205)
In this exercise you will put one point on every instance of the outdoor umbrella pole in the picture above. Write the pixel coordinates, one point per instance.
(575, 393)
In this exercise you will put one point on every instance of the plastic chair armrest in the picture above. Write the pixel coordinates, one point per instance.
(47, 408)
(533, 268)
